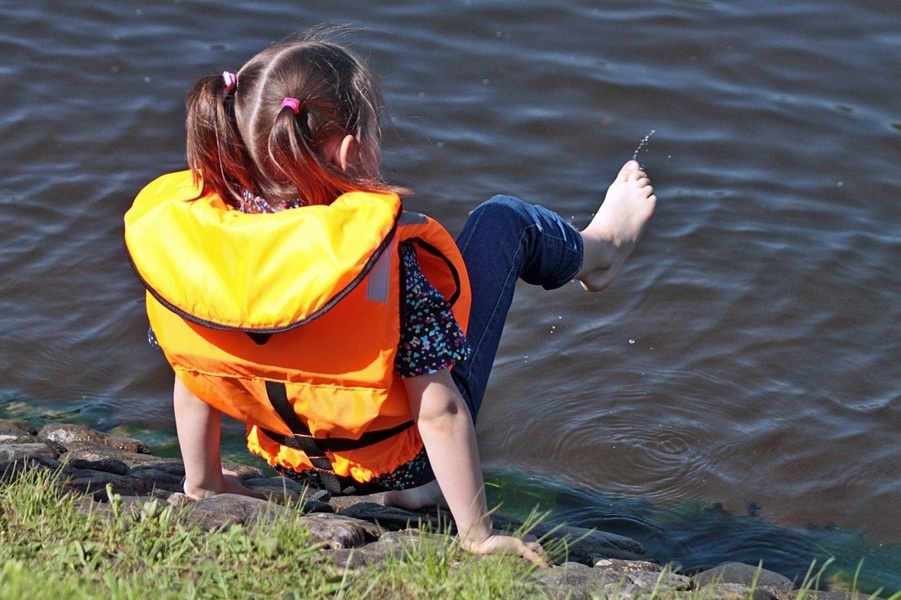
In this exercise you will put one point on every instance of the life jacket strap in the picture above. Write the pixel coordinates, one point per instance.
(314, 448)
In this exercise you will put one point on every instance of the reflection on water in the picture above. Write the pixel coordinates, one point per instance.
(750, 352)
(695, 535)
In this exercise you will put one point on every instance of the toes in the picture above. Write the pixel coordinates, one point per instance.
(628, 169)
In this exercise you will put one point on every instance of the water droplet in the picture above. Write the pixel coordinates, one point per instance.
(643, 144)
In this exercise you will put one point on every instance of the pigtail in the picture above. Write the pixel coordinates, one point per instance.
(216, 153)
(296, 156)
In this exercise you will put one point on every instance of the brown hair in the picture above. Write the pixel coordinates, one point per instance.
(243, 138)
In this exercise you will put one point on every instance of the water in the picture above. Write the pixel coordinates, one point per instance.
(734, 395)
(642, 145)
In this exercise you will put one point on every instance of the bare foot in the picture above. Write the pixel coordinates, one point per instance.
(413, 498)
(616, 228)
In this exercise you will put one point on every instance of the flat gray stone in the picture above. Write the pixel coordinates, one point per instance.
(627, 566)
(335, 531)
(736, 591)
(103, 463)
(92, 453)
(18, 451)
(586, 546)
(391, 544)
(579, 580)
(91, 482)
(392, 518)
(748, 575)
(224, 510)
(13, 433)
(66, 435)
(7, 427)
(243, 471)
(13, 469)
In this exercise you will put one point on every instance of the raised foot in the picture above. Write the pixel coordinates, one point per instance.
(616, 228)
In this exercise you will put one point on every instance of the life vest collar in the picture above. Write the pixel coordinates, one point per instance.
(263, 273)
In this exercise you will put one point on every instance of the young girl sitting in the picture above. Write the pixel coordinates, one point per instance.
(289, 289)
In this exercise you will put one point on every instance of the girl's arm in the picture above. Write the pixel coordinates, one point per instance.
(449, 435)
(199, 426)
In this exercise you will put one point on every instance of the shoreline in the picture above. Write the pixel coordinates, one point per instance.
(357, 531)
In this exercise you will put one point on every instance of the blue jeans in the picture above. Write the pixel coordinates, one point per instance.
(506, 239)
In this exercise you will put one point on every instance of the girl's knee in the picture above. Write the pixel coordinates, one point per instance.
(504, 207)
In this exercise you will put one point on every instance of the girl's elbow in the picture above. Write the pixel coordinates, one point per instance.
(440, 416)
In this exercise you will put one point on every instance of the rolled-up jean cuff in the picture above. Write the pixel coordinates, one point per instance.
(570, 257)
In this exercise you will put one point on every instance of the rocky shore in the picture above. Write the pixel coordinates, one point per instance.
(357, 531)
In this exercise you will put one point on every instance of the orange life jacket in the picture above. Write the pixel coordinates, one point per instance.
(290, 321)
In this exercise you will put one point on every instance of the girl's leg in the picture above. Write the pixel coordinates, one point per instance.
(506, 239)
(503, 240)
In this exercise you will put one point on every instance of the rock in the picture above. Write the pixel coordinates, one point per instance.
(839, 595)
(576, 580)
(167, 476)
(13, 432)
(17, 451)
(91, 482)
(618, 581)
(364, 531)
(243, 471)
(391, 544)
(354, 558)
(66, 435)
(392, 518)
(737, 591)
(7, 426)
(341, 503)
(13, 469)
(89, 452)
(627, 566)
(747, 575)
(335, 531)
(586, 546)
(107, 464)
(274, 483)
(664, 582)
(222, 510)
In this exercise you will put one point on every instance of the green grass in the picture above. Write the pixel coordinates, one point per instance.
(51, 546)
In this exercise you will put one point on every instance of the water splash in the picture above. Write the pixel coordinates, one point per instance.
(643, 144)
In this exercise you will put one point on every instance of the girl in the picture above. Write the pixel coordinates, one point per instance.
(289, 289)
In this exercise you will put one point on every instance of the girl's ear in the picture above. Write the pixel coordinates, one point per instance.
(344, 151)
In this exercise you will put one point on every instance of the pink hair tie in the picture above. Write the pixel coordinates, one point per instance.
(292, 103)
(229, 80)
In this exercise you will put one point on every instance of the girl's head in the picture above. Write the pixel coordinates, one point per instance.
(322, 141)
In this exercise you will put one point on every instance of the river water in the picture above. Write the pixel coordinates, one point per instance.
(736, 395)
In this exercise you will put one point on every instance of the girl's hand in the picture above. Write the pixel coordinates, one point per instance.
(507, 544)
